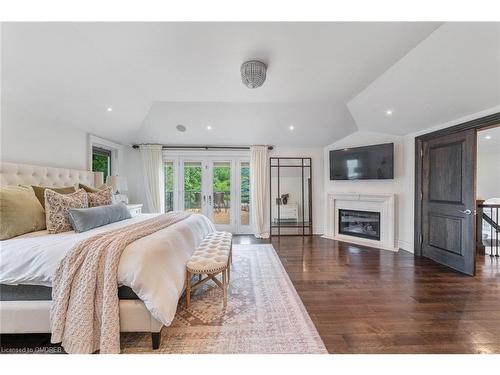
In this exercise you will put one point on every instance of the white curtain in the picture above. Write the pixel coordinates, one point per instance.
(152, 166)
(258, 177)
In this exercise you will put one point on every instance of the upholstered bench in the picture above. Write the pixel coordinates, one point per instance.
(212, 257)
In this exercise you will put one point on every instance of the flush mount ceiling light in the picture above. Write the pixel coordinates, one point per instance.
(253, 73)
(109, 109)
(487, 137)
(388, 112)
(291, 127)
(181, 128)
(209, 127)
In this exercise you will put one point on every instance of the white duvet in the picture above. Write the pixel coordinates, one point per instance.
(153, 266)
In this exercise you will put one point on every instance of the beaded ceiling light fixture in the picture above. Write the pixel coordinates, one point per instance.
(253, 73)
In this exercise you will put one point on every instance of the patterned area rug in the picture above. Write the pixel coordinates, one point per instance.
(264, 314)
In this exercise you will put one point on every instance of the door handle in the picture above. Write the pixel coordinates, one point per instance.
(210, 200)
(467, 211)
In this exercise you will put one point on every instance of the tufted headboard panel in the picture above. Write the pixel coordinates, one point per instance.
(15, 174)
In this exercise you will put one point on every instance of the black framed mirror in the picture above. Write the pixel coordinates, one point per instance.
(290, 196)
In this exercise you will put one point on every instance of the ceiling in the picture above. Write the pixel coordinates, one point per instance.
(148, 72)
(325, 79)
(455, 72)
(488, 141)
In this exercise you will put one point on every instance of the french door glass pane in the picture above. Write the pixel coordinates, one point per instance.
(169, 186)
(222, 192)
(192, 186)
(245, 193)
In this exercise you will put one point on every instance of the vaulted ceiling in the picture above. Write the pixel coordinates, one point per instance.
(325, 79)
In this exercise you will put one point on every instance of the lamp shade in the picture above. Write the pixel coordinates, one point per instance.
(117, 183)
(98, 179)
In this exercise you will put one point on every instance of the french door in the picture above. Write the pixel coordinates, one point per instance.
(215, 186)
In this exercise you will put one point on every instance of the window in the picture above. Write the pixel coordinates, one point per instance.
(101, 161)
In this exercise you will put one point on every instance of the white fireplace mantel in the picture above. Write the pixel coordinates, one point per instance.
(383, 203)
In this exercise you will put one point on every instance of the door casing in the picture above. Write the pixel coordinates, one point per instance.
(477, 124)
(207, 158)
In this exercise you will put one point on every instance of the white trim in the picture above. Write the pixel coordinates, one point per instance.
(115, 148)
(207, 158)
(405, 245)
(383, 203)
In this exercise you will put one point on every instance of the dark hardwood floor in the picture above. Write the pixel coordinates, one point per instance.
(365, 300)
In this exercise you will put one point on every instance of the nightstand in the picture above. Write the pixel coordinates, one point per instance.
(134, 209)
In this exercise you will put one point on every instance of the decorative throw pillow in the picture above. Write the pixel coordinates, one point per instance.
(101, 197)
(84, 219)
(57, 207)
(40, 191)
(90, 189)
(20, 212)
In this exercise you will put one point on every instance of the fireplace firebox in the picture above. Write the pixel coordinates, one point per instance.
(364, 224)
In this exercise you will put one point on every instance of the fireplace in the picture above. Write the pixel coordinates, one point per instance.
(364, 224)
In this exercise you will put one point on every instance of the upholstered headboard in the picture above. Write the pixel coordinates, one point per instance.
(15, 174)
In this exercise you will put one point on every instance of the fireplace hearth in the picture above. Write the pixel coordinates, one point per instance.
(364, 224)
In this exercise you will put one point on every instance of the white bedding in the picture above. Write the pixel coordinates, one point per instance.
(153, 266)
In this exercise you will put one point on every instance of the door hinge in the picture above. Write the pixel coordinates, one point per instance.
(421, 238)
(421, 195)
(421, 151)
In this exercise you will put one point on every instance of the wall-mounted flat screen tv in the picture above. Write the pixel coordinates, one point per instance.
(363, 163)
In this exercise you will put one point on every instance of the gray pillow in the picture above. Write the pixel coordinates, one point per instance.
(84, 219)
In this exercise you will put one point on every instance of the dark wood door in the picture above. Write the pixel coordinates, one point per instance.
(448, 206)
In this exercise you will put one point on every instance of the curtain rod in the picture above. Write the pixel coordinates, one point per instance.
(175, 147)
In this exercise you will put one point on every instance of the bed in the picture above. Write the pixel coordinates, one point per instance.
(151, 272)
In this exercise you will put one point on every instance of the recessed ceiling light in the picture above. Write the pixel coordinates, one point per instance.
(487, 137)
(388, 112)
(291, 127)
(209, 127)
(109, 109)
(181, 128)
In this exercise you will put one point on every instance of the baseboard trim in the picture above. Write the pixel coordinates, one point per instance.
(406, 246)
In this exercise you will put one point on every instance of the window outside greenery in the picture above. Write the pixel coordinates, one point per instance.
(101, 161)
(169, 186)
(221, 188)
(222, 179)
(192, 186)
(245, 194)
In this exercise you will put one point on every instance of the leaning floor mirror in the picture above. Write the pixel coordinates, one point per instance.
(291, 196)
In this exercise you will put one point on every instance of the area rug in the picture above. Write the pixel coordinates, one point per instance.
(264, 314)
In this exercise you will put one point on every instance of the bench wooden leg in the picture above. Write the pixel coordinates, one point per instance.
(188, 289)
(224, 286)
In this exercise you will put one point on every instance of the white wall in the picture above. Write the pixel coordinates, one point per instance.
(395, 186)
(132, 168)
(29, 139)
(404, 182)
(488, 174)
(33, 140)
